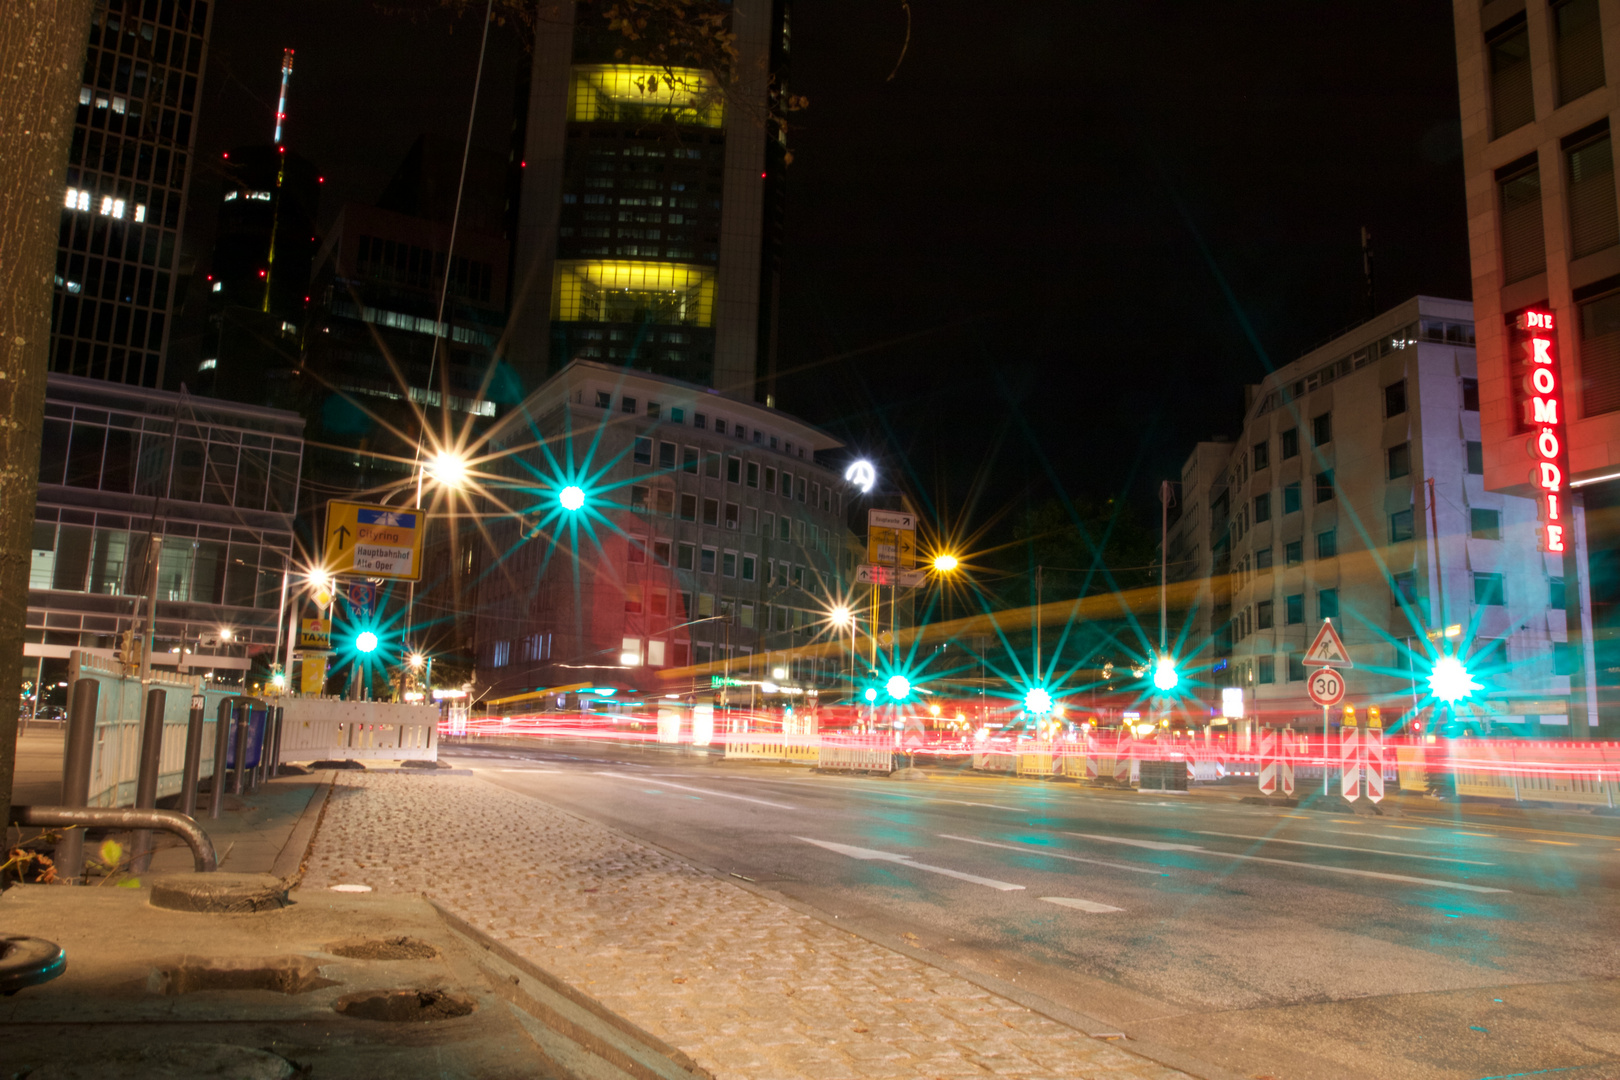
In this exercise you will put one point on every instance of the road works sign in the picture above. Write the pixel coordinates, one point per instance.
(1327, 650)
(374, 541)
(1325, 686)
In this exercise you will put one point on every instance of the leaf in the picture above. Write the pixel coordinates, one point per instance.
(111, 852)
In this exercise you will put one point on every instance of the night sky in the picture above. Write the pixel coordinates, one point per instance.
(1048, 253)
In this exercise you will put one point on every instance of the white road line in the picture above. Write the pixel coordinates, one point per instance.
(552, 772)
(958, 802)
(1158, 846)
(1341, 847)
(1082, 905)
(1030, 850)
(905, 860)
(702, 791)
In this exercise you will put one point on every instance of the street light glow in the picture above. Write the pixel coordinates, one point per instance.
(945, 563)
(572, 497)
(1038, 701)
(366, 642)
(1164, 674)
(416, 661)
(870, 695)
(1450, 681)
(840, 616)
(448, 470)
(898, 687)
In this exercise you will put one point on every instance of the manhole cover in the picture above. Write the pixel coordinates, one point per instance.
(405, 1006)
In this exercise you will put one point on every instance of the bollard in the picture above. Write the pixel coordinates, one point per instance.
(193, 764)
(76, 758)
(222, 740)
(146, 777)
(275, 757)
(244, 729)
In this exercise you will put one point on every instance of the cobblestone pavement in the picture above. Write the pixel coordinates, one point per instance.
(748, 987)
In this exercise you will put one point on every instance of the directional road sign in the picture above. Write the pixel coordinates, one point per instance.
(1325, 686)
(374, 541)
(870, 574)
(891, 538)
(1327, 650)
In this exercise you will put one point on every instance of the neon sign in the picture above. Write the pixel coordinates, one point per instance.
(1543, 406)
(862, 475)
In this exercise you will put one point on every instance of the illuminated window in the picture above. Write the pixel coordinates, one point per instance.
(634, 292)
(1265, 669)
(637, 93)
(1400, 526)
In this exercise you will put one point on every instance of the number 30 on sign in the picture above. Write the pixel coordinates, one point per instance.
(1325, 686)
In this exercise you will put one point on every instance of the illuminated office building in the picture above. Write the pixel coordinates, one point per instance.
(128, 177)
(647, 206)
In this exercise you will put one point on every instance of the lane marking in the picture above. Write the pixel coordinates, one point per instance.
(935, 798)
(1030, 850)
(1157, 846)
(870, 855)
(550, 772)
(702, 791)
(1341, 847)
(1560, 843)
(1082, 905)
(1413, 839)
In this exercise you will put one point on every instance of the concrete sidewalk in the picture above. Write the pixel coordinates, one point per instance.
(744, 984)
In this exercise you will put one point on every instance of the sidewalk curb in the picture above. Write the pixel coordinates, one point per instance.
(289, 865)
(576, 1016)
(1090, 1026)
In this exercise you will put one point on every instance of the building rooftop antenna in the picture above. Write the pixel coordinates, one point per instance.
(281, 105)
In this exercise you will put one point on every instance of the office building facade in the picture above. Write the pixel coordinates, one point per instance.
(1357, 493)
(648, 205)
(1539, 104)
(712, 539)
(128, 180)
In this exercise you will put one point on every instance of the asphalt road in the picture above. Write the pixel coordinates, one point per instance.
(1274, 943)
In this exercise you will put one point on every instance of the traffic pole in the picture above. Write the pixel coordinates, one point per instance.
(1324, 751)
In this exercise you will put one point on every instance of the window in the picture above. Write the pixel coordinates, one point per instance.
(705, 606)
(728, 563)
(1262, 455)
(1290, 443)
(1488, 590)
(666, 455)
(653, 409)
(1293, 552)
(770, 525)
(1470, 395)
(643, 451)
(686, 557)
(1594, 219)
(1555, 593)
(660, 552)
(745, 616)
(1476, 458)
(638, 498)
(1485, 524)
(786, 489)
(753, 474)
(632, 599)
(1327, 603)
(706, 561)
(659, 602)
(770, 479)
(685, 609)
(1262, 559)
(711, 512)
(749, 565)
(1294, 609)
(688, 507)
(630, 651)
(719, 426)
(1600, 355)
(627, 404)
(782, 569)
(1512, 105)
(655, 654)
(1265, 669)
(1262, 508)
(635, 549)
(1263, 617)
(732, 512)
(700, 420)
(1324, 486)
(604, 400)
(1523, 249)
(1291, 498)
(1399, 460)
(711, 466)
(677, 416)
(1405, 587)
(1395, 399)
(701, 652)
(1322, 429)
(1296, 667)
(1327, 544)
(1400, 526)
(801, 489)
(784, 528)
(798, 576)
(689, 460)
(1578, 48)
(734, 470)
(751, 520)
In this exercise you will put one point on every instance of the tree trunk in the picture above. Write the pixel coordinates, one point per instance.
(42, 48)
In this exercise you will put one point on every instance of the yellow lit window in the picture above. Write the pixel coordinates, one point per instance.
(640, 92)
(670, 294)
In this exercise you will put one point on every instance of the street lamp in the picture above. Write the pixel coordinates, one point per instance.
(946, 563)
(448, 470)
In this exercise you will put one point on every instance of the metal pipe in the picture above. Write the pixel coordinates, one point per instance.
(244, 727)
(76, 757)
(193, 763)
(275, 757)
(222, 741)
(202, 848)
(146, 777)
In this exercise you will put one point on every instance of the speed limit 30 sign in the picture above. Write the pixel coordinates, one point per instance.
(1325, 686)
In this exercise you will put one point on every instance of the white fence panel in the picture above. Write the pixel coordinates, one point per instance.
(329, 729)
(856, 753)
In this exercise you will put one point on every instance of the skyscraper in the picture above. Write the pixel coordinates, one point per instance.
(648, 202)
(129, 172)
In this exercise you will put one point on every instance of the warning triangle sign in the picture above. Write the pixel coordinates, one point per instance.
(1327, 650)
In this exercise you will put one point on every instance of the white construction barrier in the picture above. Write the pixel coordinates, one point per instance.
(762, 746)
(329, 729)
(856, 753)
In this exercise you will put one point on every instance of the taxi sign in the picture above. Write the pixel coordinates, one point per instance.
(374, 541)
(315, 633)
(1327, 650)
